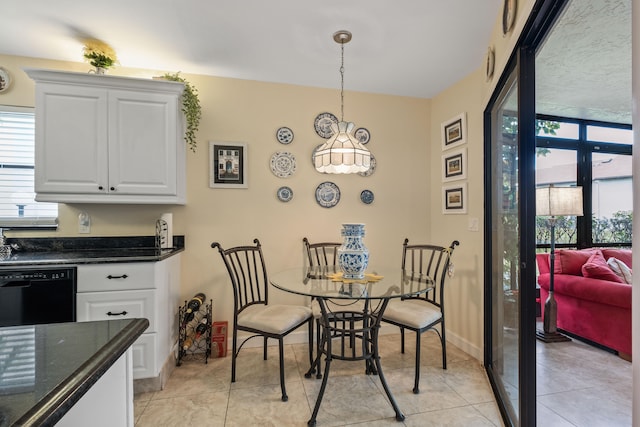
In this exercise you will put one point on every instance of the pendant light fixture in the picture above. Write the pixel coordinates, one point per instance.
(342, 152)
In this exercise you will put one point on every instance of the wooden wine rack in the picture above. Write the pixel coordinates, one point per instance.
(201, 347)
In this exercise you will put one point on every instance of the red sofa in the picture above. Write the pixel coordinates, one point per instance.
(596, 307)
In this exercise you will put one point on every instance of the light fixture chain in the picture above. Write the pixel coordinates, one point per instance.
(342, 83)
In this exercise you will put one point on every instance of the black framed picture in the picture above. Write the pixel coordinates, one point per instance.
(454, 132)
(454, 199)
(454, 165)
(228, 165)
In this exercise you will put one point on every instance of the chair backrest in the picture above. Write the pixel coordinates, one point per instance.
(432, 261)
(321, 254)
(245, 265)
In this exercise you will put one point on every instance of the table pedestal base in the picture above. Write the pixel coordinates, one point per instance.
(347, 328)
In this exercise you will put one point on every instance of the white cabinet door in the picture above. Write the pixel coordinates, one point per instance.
(142, 140)
(71, 139)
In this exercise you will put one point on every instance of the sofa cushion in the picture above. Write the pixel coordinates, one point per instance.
(621, 269)
(624, 255)
(596, 267)
(569, 261)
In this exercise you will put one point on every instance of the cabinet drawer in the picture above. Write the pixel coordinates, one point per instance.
(144, 356)
(117, 305)
(116, 276)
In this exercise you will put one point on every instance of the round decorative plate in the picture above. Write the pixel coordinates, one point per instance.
(327, 194)
(366, 196)
(285, 194)
(362, 135)
(284, 135)
(322, 124)
(283, 164)
(491, 58)
(372, 167)
(5, 79)
(508, 15)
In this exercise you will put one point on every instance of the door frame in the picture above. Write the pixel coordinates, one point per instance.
(522, 61)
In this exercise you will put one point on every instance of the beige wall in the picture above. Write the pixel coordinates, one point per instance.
(250, 112)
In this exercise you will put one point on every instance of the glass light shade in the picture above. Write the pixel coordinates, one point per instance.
(559, 201)
(342, 153)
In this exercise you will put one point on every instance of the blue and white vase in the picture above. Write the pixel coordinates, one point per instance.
(353, 256)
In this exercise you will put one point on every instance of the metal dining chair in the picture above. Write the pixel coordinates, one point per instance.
(251, 309)
(424, 312)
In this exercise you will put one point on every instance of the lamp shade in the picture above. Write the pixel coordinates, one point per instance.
(342, 153)
(559, 201)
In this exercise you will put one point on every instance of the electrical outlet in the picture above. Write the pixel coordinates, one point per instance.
(474, 224)
(84, 223)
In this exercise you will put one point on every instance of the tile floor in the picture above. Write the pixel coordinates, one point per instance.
(578, 385)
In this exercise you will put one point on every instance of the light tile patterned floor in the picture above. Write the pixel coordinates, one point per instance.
(202, 394)
(578, 385)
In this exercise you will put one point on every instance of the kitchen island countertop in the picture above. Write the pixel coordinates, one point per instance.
(61, 362)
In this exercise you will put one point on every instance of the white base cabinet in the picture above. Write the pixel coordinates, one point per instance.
(135, 290)
(108, 403)
(107, 139)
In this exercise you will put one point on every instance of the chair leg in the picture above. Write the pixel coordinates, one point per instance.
(265, 348)
(311, 341)
(444, 347)
(416, 389)
(401, 340)
(318, 350)
(233, 355)
(281, 349)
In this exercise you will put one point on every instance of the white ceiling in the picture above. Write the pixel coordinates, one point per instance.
(401, 47)
(406, 47)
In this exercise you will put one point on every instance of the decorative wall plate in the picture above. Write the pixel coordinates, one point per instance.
(491, 58)
(5, 80)
(285, 194)
(284, 135)
(362, 135)
(508, 15)
(283, 164)
(366, 196)
(372, 167)
(327, 194)
(322, 124)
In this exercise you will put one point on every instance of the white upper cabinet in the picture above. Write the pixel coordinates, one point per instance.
(107, 139)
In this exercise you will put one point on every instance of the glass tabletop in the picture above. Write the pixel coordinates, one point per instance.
(327, 282)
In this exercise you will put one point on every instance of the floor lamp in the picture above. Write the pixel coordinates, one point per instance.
(553, 202)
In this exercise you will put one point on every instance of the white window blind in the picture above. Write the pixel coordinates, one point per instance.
(18, 207)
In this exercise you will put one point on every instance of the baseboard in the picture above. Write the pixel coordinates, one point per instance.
(465, 345)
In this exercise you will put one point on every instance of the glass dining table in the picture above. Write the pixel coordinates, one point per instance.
(351, 311)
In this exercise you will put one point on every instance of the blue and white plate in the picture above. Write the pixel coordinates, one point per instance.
(285, 194)
(327, 194)
(322, 124)
(283, 164)
(372, 167)
(284, 135)
(362, 135)
(366, 196)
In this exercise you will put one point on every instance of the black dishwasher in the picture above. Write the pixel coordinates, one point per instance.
(30, 296)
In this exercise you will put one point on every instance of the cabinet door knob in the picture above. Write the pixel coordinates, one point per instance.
(113, 188)
(100, 187)
(124, 276)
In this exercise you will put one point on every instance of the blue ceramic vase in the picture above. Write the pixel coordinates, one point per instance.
(353, 256)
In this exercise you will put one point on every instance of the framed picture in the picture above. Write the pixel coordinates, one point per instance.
(454, 132)
(454, 165)
(454, 199)
(228, 165)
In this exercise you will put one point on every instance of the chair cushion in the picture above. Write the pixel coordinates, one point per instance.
(337, 307)
(412, 313)
(274, 319)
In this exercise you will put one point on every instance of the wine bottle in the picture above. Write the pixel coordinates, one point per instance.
(201, 328)
(188, 342)
(192, 307)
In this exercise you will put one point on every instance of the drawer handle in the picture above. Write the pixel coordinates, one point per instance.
(122, 313)
(124, 276)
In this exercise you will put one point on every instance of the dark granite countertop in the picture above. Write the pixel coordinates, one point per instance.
(62, 362)
(74, 250)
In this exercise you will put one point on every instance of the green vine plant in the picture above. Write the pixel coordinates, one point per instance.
(190, 107)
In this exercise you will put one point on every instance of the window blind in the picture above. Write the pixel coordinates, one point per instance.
(18, 207)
